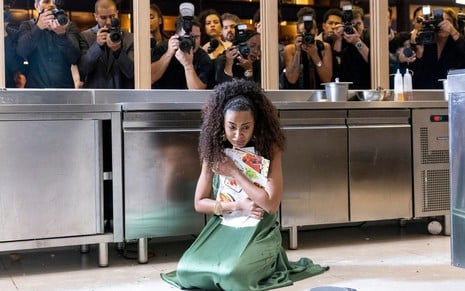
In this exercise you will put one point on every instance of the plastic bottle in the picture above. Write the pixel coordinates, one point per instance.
(398, 87)
(408, 91)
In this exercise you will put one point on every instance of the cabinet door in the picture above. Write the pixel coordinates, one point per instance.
(161, 168)
(315, 176)
(51, 179)
(380, 172)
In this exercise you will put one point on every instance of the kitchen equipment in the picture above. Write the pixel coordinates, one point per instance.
(373, 95)
(337, 91)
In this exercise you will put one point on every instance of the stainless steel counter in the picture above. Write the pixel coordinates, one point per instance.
(142, 121)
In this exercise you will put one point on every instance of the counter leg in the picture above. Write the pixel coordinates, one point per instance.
(84, 249)
(143, 251)
(293, 238)
(103, 254)
(447, 224)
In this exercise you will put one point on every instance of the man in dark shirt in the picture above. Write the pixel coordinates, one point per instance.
(107, 59)
(352, 51)
(173, 68)
(49, 47)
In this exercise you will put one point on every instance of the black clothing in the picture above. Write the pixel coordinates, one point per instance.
(100, 67)
(428, 70)
(308, 75)
(49, 55)
(13, 63)
(174, 76)
(353, 68)
(238, 71)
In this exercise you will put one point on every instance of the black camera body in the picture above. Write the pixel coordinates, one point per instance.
(347, 17)
(186, 41)
(307, 36)
(59, 14)
(115, 30)
(461, 21)
(429, 27)
(240, 40)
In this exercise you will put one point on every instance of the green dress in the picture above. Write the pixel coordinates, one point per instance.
(246, 258)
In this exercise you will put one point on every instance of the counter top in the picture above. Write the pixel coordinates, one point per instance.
(36, 99)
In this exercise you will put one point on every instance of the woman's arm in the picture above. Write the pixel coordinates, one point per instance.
(325, 71)
(267, 198)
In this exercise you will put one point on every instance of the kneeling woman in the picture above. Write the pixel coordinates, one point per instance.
(239, 115)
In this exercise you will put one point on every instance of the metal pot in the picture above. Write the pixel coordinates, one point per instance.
(337, 91)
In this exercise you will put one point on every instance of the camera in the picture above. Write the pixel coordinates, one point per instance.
(307, 36)
(347, 17)
(186, 41)
(240, 40)
(114, 30)
(461, 21)
(429, 25)
(60, 16)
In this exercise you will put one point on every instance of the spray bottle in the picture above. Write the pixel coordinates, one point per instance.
(408, 91)
(398, 87)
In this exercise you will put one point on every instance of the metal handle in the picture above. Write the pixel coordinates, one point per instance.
(139, 129)
(314, 127)
(381, 126)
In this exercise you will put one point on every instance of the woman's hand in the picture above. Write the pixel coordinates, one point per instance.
(226, 167)
(250, 208)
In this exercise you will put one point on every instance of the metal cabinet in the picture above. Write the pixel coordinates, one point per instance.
(161, 168)
(314, 169)
(380, 164)
(53, 176)
(431, 162)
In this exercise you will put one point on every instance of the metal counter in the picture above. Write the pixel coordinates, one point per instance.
(155, 132)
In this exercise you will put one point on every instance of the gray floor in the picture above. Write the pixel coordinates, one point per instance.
(370, 256)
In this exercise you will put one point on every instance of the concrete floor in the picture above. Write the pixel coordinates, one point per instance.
(370, 256)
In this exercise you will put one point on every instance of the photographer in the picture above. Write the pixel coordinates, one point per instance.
(308, 62)
(107, 59)
(50, 44)
(181, 56)
(242, 60)
(401, 55)
(440, 47)
(354, 50)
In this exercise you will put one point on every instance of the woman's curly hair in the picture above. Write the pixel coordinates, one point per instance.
(267, 130)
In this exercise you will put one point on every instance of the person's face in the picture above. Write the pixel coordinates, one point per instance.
(358, 24)
(229, 29)
(103, 16)
(415, 23)
(331, 25)
(45, 5)
(255, 47)
(213, 25)
(155, 21)
(239, 127)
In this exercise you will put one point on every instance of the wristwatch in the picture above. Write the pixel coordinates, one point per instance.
(359, 44)
(319, 64)
(248, 73)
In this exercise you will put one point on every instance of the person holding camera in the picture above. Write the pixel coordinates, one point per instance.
(308, 62)
(50, 44)
(180, 62)
(440, 47)
(242, 59)
(107, 52)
